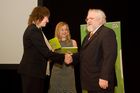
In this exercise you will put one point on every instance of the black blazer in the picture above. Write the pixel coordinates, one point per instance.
(36, 53)
(97, 58)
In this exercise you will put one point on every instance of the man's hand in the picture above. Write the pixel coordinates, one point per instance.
(68, 58)
(103, 83)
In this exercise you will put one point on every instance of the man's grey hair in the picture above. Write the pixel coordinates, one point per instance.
(100, 14)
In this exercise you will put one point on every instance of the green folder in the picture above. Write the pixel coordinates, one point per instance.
(64, 50)
(55, 44)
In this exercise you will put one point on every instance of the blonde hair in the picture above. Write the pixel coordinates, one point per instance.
(58, 29)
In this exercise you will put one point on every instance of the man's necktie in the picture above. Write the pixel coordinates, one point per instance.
(90, 35)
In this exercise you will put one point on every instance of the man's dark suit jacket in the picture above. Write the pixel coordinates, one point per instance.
(97, 58)
(36, 53)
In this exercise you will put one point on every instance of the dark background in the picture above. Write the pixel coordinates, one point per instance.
(74, 13)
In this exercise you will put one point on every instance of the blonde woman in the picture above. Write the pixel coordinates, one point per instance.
(62, 77)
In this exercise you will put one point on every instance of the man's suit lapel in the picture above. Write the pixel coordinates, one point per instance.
(94, 36)
(85, 42)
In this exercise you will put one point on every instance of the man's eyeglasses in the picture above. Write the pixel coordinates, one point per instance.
(89, 19)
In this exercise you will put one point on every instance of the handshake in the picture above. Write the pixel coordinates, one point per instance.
(68, 58)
